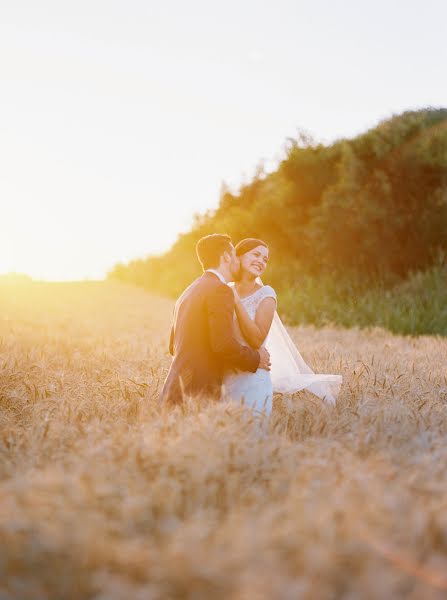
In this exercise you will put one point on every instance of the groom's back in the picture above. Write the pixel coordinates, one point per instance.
(190, 329)
(203, 341)
(195, 368)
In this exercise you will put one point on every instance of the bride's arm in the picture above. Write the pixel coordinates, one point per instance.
(255, 331)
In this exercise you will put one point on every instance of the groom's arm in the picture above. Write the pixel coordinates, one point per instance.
(220, 307)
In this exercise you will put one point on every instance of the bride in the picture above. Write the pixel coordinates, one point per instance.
(257, 324)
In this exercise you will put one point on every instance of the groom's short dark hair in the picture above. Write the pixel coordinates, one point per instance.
(210, 248)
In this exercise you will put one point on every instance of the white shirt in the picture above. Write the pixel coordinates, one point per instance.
(221, 277)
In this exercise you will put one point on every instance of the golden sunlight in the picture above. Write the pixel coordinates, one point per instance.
(255, 415)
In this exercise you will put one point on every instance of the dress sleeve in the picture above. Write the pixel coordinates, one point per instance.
(267, 292)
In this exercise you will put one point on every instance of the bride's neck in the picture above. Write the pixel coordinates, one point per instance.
(246, 284)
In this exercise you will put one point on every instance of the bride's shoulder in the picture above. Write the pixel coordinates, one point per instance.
(268, 291)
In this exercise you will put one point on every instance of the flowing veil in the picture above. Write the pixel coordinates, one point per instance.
(290, 373)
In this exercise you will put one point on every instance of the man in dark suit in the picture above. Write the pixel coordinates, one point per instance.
(202, 341)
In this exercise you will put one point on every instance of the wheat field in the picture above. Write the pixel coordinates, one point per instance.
(105, 495)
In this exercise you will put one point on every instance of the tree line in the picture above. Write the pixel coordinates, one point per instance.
(366, 210)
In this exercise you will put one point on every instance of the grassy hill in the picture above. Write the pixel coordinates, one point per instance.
(105, 495)
(357, 229)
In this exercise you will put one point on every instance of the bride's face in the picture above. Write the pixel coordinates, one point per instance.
(255, 261)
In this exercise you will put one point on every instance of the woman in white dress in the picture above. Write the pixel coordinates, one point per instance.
(257, 324)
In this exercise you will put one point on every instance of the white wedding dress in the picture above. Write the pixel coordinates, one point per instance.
(289, 373)
(255, 389)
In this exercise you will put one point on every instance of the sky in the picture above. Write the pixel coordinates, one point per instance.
(120, 120)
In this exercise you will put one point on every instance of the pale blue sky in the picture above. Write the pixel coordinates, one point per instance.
(120, 120)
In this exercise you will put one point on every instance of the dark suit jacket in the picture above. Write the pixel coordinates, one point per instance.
(202, 341)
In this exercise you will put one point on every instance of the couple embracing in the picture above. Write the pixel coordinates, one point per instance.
(227, 339)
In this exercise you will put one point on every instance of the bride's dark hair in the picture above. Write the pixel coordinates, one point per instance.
(248, 245)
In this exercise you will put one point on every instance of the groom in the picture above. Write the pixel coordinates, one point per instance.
(202, 339)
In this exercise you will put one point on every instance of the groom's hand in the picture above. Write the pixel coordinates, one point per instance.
(264, 363)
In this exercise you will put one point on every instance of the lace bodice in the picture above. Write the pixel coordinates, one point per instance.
(251, 304)
(254, 388)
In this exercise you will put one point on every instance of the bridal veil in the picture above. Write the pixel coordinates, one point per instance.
(289, 372)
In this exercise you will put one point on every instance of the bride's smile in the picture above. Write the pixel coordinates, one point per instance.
(255, 261)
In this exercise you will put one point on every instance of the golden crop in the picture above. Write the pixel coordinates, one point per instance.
(105, 495)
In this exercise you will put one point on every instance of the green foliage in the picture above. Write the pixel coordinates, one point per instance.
(414, 306)
(351, 221)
